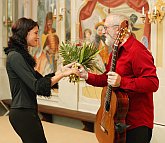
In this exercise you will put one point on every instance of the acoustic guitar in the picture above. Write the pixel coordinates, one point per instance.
(109, 124)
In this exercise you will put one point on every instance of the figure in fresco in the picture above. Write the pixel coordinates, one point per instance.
(88, 39)
(143, 39)
(87, 35)
(133, 19)
(99, 37)
(47, 60)
(100, 42)
(48, 28)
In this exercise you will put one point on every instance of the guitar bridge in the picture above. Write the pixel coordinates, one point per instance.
(103, 129)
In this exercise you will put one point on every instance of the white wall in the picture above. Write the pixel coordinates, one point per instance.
(1, 17)
(4, 85)
(159, 96)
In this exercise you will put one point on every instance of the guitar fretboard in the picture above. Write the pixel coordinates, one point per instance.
(109, 88)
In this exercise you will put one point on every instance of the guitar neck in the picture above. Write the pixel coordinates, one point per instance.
(123, 30)
(113, 67)
(114, 58)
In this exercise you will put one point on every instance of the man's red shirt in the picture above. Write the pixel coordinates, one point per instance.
(135, 65)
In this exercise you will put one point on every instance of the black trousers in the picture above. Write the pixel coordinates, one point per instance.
(141, 134)
(27, 125)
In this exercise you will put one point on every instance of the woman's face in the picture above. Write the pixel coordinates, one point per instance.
(33, 37)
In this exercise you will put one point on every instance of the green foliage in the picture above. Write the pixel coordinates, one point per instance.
(83, 54)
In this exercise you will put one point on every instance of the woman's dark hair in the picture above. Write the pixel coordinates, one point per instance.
(20, 31)
(18, 40)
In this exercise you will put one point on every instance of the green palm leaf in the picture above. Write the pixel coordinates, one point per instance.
(84, 54)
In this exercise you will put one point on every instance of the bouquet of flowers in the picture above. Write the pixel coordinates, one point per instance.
(83, 54)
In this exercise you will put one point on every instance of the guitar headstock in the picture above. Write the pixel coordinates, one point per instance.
(123, 31)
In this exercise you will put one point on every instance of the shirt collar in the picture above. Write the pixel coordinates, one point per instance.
(128, 44)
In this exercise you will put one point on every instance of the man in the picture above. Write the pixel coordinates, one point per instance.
(135, 74)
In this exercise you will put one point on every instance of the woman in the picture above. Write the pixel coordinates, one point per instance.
(26, 83)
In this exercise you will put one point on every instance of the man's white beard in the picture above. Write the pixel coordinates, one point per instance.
(109, 41)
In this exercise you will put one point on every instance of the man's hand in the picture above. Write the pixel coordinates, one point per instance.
(114, 79)
(83, 72)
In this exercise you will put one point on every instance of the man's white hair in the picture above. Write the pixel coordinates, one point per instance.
(117, 19)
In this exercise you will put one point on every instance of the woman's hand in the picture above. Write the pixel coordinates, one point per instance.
(69, 71)
(68, 66)
(114, 79)
(64, 68)
(65, 71)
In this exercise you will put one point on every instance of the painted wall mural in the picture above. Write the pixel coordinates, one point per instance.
(92, 32)
(46, 54)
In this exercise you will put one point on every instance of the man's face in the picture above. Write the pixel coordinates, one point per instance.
(110, 30)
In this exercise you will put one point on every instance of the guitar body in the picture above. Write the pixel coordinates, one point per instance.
(104, 125)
